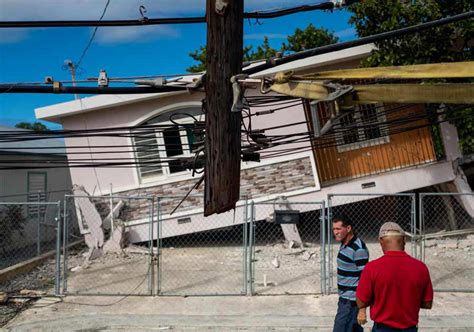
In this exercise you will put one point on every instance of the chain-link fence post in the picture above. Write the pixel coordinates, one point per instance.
(151, 270)
(38, 229)
(65, 242)
(322, 221)
(58, 250)
(158, 246)
(251, 248)
(329, 273)
(421, 224)
(414, 241)
(447, 234)
(245, 251)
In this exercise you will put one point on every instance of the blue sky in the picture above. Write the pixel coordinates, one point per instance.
(28, 55)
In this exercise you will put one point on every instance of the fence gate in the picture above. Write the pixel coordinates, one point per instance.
(368, 213)
(287, 248)
(28, 230)
(447, 226)
(113, 272)
(201, 255)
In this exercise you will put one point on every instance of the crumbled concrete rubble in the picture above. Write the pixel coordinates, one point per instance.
(33, 284)
(10, 309)
(3, 298)
(451, 247)
(41, 278)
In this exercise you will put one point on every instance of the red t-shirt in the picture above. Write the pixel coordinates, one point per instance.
(395, 285)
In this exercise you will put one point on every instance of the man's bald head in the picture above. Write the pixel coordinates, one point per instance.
(392, 237)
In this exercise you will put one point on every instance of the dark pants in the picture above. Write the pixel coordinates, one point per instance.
(346, 317)
(384, 328)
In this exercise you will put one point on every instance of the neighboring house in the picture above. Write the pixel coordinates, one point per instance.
(363, 160)
(33, 184)
(20, 183)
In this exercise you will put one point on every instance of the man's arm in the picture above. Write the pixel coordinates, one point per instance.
(361, 304)
(424, 304)
(362, 316)
(364, 291)
(427, 299)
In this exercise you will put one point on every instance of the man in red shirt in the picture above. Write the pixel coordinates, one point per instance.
(395, 286)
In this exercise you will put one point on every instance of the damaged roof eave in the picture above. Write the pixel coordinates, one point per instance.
(55, 112)
(316, 61)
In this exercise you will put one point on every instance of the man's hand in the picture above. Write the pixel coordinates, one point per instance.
(362, 316)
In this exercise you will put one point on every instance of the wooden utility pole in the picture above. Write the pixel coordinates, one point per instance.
(224, 59)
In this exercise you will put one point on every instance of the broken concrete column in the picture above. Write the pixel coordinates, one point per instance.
(290, 231)
(89, 217)
(117, 240)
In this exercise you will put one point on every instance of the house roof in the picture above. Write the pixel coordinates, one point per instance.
(55, 112)
(36, 146)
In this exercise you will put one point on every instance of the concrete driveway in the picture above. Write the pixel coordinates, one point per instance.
(451, 312)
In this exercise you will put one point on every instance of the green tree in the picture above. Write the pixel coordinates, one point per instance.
(300, 40)
(200, 56)
(36, 126)
(311, 37)
(452, 42)
(263, 51)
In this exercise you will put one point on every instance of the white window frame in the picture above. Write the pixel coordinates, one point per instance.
(361, 139)
(183, 136)
(162, 154)
(137, 159)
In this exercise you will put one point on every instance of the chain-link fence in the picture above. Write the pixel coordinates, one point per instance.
(201, 255)
(447, 233)
(102, 262)
(368, 213)
(287, 248)
(27, 230)
(131, 245)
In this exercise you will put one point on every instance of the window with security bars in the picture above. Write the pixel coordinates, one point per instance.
(37, 186)
(160, 149)
(358, 128)
(147, 153)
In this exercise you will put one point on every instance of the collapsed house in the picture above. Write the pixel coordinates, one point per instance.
(365, 159)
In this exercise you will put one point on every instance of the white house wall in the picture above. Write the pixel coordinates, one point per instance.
(123, 180)
(99, 180)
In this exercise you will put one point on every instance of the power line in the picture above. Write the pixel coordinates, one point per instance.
(8, 88)
(93, 35)
(265, 14)
(269, 63)
(333, 138)
(273, 62)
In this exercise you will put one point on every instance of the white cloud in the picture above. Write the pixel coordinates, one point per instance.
(110, 35)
